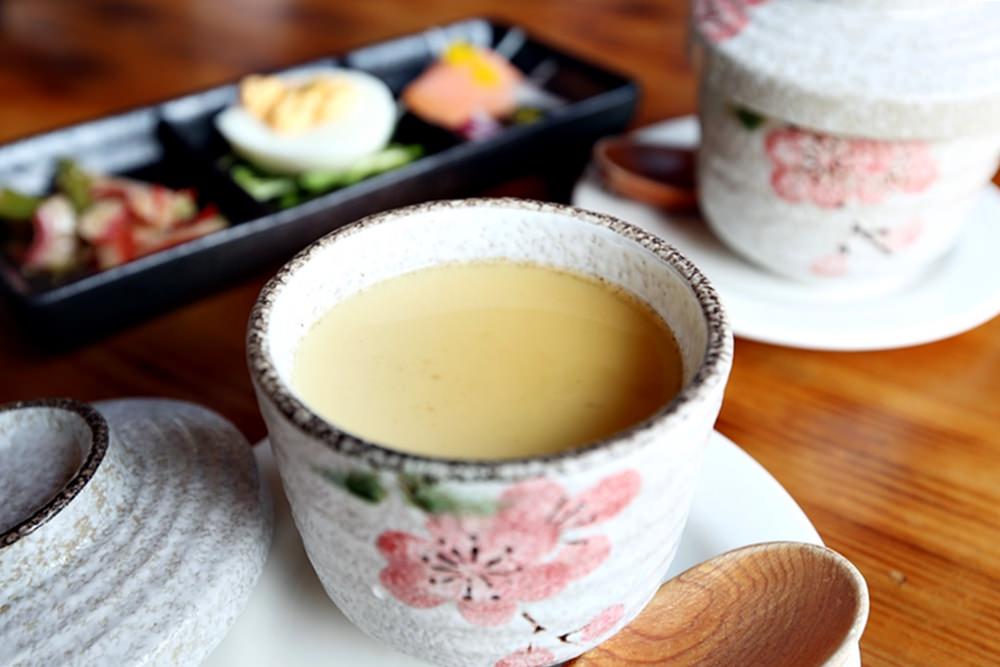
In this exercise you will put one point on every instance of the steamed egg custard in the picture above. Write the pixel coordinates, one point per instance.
(489, 360)
(320, 119)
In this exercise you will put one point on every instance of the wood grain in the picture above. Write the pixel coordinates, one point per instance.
(781, 604)
(894, 455)
(662, 176)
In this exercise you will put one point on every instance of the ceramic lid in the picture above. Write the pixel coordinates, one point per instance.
(134, 534)
(890, 69)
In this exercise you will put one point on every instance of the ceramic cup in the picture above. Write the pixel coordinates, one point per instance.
(470, 563)
(819, 207)
(845, 141)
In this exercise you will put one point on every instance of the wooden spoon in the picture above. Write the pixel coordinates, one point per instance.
(782, 604)
(653, 174)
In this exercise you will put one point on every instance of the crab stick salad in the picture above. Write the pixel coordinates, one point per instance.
(98, 221)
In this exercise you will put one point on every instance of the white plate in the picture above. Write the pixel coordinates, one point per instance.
(290, 622)
(958, 293)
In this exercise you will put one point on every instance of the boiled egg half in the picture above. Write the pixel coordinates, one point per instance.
(323, 119)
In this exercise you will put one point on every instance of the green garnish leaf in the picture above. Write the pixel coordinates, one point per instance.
(315, 182)
(74, 182)
(17, 206)
(290, 199)
(259, 186)
(293, 190)
(389, 158)
(750, 119)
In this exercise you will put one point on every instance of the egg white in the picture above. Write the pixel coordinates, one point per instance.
(363, 128)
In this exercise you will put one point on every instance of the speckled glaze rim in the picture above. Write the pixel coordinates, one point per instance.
(713, 369)
(99, 438)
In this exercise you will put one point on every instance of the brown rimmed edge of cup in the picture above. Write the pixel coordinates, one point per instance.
(98, 446)
(713, 369)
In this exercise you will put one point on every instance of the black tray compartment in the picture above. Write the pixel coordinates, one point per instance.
(175, 143)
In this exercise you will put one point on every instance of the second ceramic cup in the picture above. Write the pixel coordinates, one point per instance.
(576, 543)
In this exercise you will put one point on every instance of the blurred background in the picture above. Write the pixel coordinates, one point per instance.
(77, 60)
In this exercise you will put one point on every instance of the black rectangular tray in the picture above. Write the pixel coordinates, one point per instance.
(175, 143)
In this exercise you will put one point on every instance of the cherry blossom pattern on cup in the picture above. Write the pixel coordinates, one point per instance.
(833, 265)
(530, 549)
(830, 171)
(719, 20)
(536, 655)
(533, 656)
(885, 240)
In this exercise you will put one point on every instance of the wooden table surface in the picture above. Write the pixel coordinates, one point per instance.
(895, 456)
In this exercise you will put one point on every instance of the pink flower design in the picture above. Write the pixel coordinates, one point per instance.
(887, 240)
(902, 236)
(912, 167)
(487, 565)
(719, 20)
(831, 171)
(823, 169)
(830, 266)
(528, 657)
(603, 623)
(534, 655)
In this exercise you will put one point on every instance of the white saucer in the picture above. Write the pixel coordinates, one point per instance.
(291, 622)
(958, 293)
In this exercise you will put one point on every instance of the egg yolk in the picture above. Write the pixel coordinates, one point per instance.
(294, 108)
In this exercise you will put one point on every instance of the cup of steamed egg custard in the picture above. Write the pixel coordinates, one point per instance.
(457, 552)
(322, 119)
